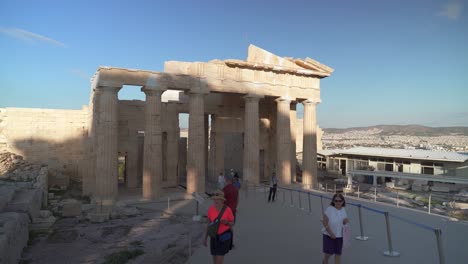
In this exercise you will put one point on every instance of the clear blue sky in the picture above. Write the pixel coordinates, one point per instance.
(396, 62)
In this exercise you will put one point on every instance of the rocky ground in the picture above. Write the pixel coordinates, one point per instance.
(153, 236)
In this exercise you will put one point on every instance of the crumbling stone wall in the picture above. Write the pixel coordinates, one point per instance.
(53, 137)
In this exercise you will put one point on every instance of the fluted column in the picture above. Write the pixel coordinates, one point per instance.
(251, 140)
(309, 149)
(196, 144)
(152, 150)
(89, 179)
(293, 118)
(173, 135)
(132, 161)
(283, 137)
(106, 149)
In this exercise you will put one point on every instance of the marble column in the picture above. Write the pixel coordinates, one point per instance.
(132, 161)
(206, 126)
(106, 188)
(283, 138)
(173, 135)
(89, 179)
(251, 163)
(293, 118)
(152, 157)
(219, 145)
(196, 144)
(309, 149)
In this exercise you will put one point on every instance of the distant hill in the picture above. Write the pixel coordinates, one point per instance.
(406, 130)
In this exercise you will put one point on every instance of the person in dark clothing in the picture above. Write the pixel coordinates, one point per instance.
(231, 193)
(273, 186)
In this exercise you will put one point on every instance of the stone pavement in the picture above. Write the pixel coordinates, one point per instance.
(279, 233)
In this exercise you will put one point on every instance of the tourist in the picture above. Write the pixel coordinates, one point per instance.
(231, 194)
(273, 186)
(237, 183)
(221, 215)
(221, 181)
(334, 218)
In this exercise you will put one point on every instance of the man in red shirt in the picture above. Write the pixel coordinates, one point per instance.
(231, 194)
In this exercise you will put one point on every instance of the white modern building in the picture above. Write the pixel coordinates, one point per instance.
(379, 165)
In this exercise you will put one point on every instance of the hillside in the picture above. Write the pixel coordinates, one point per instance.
(406, 130)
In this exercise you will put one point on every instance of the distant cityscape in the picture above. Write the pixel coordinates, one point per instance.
(389, 137)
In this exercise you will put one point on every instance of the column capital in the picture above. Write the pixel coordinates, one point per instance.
(283, 100)
(311, 101)
(110, 89)
(153, 91)
(253, 97)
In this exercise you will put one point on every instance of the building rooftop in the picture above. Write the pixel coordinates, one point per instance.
(418, 154)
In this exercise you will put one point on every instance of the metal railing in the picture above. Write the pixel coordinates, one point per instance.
(287, 194)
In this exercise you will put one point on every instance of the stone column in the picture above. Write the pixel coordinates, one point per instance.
(251, 140)
(173, 135)
(196, 144)
(219, 145)
(89, 179)
(132, 161)
(152, 157)
(106, 147)
(283, 138)
(293, 118)
(309, 149)
(206, 126)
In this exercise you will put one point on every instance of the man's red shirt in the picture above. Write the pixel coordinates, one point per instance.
(231, 194)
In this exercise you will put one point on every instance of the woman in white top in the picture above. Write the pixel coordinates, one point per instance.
(334, 218)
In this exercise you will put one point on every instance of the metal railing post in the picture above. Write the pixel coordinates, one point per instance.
(292, 202)
(358, 192)
(310, 206)
(390, 252)
(321, 204)
(362, 236)
(429, 205)
(398, 199)
(375, 194)
(326, 187)
(284, 197)
(440, 250)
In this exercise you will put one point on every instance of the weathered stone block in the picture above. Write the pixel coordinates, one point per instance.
(26, 201)
(71, 208)
(14, 234)
(436, 188)
(98, 217)
(42, 224)
(6, 194)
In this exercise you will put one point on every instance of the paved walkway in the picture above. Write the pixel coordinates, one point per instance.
(278, 233)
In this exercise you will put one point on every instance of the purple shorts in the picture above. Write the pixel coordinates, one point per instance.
(332, 246)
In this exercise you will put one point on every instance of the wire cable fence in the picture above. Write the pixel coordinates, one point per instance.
(302, 200)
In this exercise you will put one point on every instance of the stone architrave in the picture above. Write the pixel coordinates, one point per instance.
(283, 138)
(309, 149)
(251, 163)
(196, 144)
(106, 150)
(293, 118)
(152, 160)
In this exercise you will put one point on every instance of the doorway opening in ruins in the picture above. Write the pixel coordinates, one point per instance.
(122, 168)
(233, 152)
